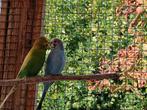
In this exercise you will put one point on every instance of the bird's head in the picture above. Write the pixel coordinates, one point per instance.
(42, 43)
(56, 43)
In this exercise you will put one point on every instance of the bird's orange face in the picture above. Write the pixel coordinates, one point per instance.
(42, 43)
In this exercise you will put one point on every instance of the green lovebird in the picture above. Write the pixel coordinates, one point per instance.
(32, 63)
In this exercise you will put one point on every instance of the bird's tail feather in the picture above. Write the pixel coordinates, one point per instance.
(46, 87)
(8, 95)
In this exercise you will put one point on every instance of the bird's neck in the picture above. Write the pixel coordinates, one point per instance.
(60, 47)
(36, 50)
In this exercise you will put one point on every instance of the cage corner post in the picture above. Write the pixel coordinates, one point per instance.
(36, 32)
(20, 24)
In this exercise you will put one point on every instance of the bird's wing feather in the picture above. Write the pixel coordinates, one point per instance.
(55, 63)
(32, 64)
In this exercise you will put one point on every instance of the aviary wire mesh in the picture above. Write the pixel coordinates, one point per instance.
(100, 36)
(9, 39)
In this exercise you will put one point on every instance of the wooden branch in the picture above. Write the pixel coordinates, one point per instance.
(38, 79)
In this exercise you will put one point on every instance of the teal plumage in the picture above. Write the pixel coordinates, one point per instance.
(34, 59)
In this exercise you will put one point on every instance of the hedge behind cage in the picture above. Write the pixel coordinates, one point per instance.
(100, 37)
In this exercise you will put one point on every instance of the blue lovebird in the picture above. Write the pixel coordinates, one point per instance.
(54, 65)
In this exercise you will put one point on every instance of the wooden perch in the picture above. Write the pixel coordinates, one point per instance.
(38, 79)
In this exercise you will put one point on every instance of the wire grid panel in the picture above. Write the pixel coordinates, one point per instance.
(9, 20)
(19, 21)
(98, 37)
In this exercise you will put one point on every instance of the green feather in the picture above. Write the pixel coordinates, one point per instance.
(33, 62)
